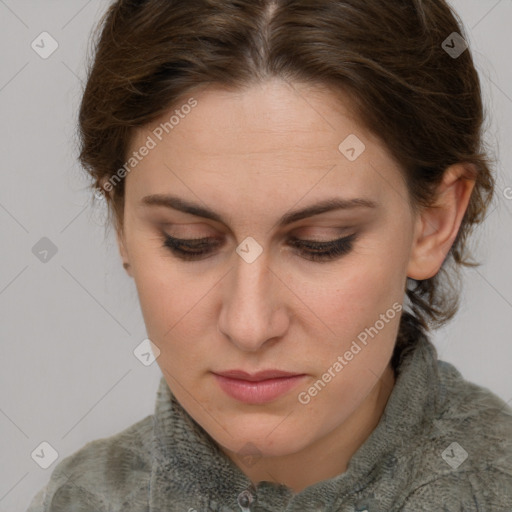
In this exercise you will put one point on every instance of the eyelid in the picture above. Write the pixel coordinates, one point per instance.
(293, 239)
(336, 243)
(203, 240)
(314, 251)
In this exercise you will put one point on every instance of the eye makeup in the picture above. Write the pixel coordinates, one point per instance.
(195, 249)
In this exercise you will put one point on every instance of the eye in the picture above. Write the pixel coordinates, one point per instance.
(195, 249)
(324, 251)
(190, 249)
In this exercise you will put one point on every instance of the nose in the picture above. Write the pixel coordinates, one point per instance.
(253, 313)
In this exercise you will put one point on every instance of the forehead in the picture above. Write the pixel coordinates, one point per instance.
(275, 137)
(262, 117)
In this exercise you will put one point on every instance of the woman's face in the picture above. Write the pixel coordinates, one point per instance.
(254, 300)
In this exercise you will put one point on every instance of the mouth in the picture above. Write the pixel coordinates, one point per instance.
(258, 388)
(258, 376)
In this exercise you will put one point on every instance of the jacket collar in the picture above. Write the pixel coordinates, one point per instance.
(191, 474)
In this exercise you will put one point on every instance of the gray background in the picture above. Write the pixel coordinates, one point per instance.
(69, 326)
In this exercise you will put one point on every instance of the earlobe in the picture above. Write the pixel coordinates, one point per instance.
(124, 253)
(437, 226)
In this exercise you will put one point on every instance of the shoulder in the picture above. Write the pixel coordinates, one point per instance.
(467, 456)
(474, 415)
(103, 473)
(471, 491)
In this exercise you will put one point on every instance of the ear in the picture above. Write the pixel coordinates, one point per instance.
(437, 226)
(123, 252)
(107, 189)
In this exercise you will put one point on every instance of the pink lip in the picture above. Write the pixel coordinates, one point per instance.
(263, 375)
(257, 388)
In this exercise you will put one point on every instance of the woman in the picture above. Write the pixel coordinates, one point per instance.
(292, 185)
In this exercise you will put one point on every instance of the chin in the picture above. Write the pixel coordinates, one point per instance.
(253, 443)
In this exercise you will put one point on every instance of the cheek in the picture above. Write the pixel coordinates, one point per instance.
(153, 290)
(161, 288)
(174, 304)
(354, 295)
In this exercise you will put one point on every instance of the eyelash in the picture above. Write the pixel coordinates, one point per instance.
(321, 251)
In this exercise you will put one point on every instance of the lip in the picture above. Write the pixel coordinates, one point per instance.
(253, 377)
(257, 388)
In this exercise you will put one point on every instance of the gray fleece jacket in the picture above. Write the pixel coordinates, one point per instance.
(442, 444)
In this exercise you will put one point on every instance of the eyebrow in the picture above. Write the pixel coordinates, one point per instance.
(324, 206)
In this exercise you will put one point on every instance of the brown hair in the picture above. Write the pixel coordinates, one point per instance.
(422, 102)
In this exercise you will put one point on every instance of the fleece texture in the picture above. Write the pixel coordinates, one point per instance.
(443, 444)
